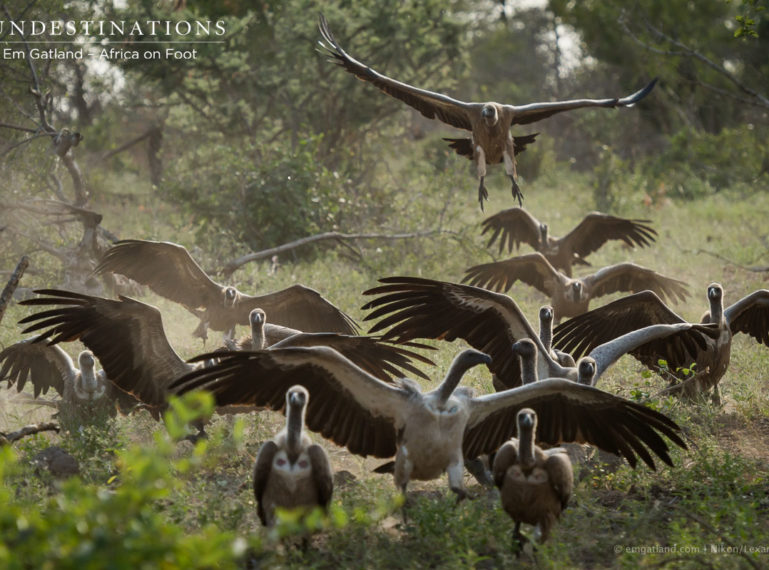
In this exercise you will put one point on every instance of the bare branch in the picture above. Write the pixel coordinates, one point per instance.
(230, 267)
(7, 438)
(13, 282)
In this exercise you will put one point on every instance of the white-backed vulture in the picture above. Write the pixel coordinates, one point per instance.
(47, 367)
(430, 433)
(128, 337)
(516, 225)
(491, 322)
(569, 296)
(171, 272)
(290, 471)
(534, 484)
(749, 315)
(546, 336)
(490, 123)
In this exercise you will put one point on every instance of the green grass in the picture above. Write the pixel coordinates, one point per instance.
(714, 501)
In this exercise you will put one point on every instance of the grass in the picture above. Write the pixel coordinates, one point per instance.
(710, 509)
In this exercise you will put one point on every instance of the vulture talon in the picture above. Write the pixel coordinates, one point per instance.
(517, 194)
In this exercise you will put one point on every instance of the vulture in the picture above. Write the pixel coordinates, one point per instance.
(290, 471)
(49, 367)
(430, 433)
(568, 296)
(169, 270)
(516, 225)
(129, 339)
(489, 123)
(546, 316)
(534, 484)
(491, 322)
(749, 315)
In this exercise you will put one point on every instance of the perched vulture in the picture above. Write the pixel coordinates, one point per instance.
(489, 123)
(516, 225)
(49, 367)
(430, 433)
(290, 471)
(569, 296)
(492, 322)
(128, 337)
(749, 315)
(169, 270)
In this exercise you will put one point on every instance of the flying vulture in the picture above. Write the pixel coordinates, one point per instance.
(489, 123)
(516, 225)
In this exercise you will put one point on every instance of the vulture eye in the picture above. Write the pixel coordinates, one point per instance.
(281, 462)
(303, 464)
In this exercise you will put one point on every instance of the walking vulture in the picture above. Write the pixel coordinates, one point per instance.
(169, 270)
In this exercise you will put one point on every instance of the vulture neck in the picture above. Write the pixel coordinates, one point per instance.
(294, 424)
(86, 385)
(257, 336)
(461, 364)
(716, 310)
(526, 456)
(528, 368)
(546, 332)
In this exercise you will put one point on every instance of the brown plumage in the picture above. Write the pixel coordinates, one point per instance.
(171, 272)
(749, 315)
(290, 471)
(492, 322)
(431, 433)
(515, 226)
(128, 337)
(490, 123)
(571, 296)
(534, 484)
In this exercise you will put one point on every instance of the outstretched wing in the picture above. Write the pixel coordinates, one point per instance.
(533, 112)
(347, 405)
(515, 226)
(423, 308)
(126, 336)
(380, 358)
(632, 277)
(298, 307)
(431, 105)
(750, 315)
(44, 366)
(571, 412)
(166, 268)
(533, 269)
(596, 229)
(580, 335)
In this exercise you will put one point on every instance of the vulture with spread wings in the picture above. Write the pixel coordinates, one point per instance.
(169, 270)
(128, 338)
(516, 225)
(489, 123)
(749, 315)
(431, 433)
(570, 296)
(491, 322)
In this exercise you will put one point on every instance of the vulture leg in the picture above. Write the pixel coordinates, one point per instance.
(455, 472)
(480, 162)
(509, 158)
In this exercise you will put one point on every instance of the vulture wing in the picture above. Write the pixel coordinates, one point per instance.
(533, 269)
(45, 366)
(571, 412)
(298, 307)
(750, 315)
(515, 226)
(423, 308)
(596, 229)
(431, 105)
(126, 336)
(632, 277)
(533, 112)
(583, 333)
(166, 268)
(347, 405)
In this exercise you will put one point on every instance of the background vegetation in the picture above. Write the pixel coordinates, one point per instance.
(261, 141)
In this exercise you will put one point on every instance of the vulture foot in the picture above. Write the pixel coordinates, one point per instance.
(483, 194)
(517, 194)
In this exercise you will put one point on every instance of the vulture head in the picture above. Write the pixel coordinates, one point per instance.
(575, 292)
(230, 296)
(715, 292)
(489, 114)
(586, 371)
